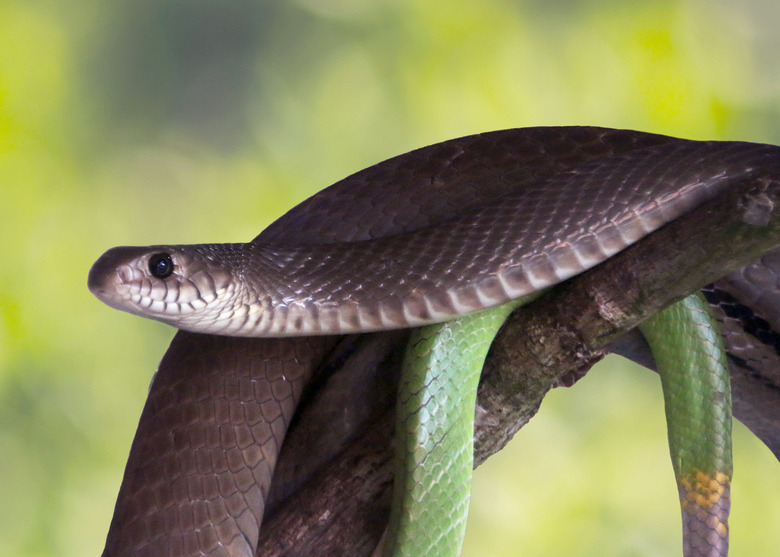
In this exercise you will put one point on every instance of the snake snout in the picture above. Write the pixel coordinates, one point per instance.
(118, 275)
(106, 273)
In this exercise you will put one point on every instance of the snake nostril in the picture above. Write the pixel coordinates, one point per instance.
(124, 274)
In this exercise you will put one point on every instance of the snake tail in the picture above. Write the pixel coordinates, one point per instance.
(691, 359)
(434, 434)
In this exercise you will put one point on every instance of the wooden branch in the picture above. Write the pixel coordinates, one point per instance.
(342, 511)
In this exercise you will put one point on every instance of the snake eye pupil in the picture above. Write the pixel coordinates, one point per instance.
(161, 265)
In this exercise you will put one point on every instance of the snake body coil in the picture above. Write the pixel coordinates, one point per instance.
(436, 233)
(535, 234)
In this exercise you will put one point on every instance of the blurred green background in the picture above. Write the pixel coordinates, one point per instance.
(162, 121)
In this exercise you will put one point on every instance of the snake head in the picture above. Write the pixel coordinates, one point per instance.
(183, 286)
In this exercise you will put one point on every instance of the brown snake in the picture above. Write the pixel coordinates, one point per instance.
(434, 233)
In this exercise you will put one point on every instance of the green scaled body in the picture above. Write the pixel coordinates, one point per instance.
(435, 433)
(435, 425)
(691, 360)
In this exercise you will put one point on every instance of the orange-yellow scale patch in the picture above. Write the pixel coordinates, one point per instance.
(698, 496)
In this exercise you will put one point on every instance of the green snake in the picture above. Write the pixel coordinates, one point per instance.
(428, 237)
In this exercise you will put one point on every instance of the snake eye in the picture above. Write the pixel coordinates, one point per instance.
(161, 265)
